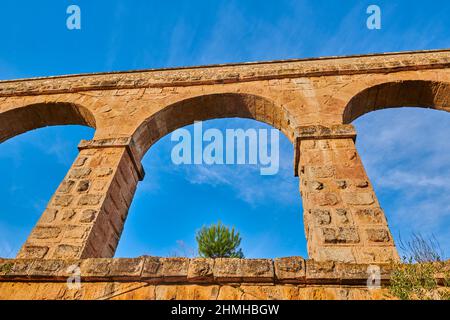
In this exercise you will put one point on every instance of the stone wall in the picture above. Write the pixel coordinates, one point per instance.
(182, 278)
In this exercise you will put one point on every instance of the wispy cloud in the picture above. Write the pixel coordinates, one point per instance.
(406, 153)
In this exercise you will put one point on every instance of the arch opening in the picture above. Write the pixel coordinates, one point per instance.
(183, 198)
(397, 94)
(32, 165)
(405, 152)
(208, 107)
(22, 119)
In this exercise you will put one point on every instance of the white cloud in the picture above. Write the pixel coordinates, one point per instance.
(406, 153)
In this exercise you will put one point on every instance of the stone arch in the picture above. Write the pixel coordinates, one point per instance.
(403, 93)
(207, 107)
(20, 120)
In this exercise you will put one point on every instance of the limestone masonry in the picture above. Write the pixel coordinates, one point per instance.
(312, 101)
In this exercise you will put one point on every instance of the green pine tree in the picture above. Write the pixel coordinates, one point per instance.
(218, 241)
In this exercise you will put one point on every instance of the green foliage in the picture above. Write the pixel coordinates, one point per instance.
(417, 281)
(417, 277)
(5, 268)
(218, 241)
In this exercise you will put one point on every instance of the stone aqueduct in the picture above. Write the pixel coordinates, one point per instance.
(312, 101)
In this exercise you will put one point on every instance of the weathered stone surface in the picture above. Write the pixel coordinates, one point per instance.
(66, 251)
(126, 268)
(321, 172)
(174, 269)
(15, 268)
(63, 201)
(103, 172)
(340, 235)
(361, 183)
(88, 215)
(290, 269)
(369, 215)
(68, 214)
(201, 269)
(326, 199)
(341, 184)
(228, 269)
(316, 185)
(152, 268)
(79, 173)
(46, 232)
(378, 235)
(342, 216)
(83, 186)
(95, 268)
(56, 269)
(32, 252)
(322, 217)
(257, 269)
(343, 253)
(66, 186)
(321, 272)
(358, 198)
(122, 279)
(89, 200)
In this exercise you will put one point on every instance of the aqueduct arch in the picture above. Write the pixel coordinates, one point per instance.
(311, 101)
(401, 93)
(29, 117)
(208, 107)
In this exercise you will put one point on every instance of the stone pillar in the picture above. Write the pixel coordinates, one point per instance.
(343, 219)
(85, 216)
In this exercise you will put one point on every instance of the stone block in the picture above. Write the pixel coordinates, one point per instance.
(174, 269)
(340, 235)
(327, 199)
(342, 216)
(33, 252)
(321, 216)
(378, 235)
(79, 173)
(83, 186)
(95, 268)
(152, 268)
(358, 198)
(336, 253)
(88, 216)
(89, 199)
(66, 251)
(321, 172)
(15, 268)
(103, 172)
(63, 200)
(126, 268)
(45, 232)
(66, 186)
(321, 272)
(257, 270)
(369, 215)
(290, 269)
(52, 269)
(228, 269)
(201, 269)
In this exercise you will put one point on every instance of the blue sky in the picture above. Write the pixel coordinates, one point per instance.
(406, 151)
